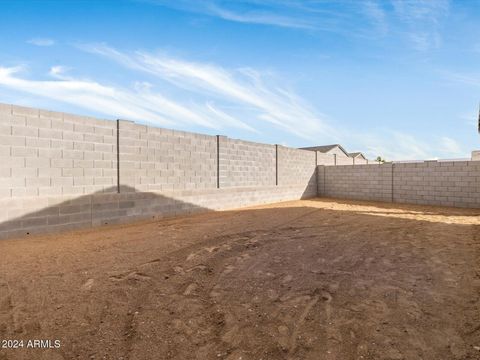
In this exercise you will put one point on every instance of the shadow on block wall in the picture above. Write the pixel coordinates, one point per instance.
(57, 214)
(97, 209)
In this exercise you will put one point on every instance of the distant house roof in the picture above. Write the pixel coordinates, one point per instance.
(326, 148)
(356, 155)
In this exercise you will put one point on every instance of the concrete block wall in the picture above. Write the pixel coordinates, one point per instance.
(363, 182)
(297, 166)
(46, 153)
(131, 206)
(445, 183)
(50, 158)
(155, 159)
(244, 163)
(59, 172)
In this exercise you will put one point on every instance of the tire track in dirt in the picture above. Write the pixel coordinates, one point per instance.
(301, 284)
(299, 323)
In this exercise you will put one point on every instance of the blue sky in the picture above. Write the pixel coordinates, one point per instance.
(399, 79)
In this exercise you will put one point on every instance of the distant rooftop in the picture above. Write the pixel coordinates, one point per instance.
(325, 148)
(356, 154)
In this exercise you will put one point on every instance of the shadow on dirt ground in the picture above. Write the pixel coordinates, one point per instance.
(310, 279)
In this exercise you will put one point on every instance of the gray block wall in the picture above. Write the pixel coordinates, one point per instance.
(60, 172)
(298, 166)
(155, 159)
(244, 163)
(362, 182)
(445, 183)
(45, 153)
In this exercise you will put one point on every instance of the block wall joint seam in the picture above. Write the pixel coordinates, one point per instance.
(218, 161)
(393, 166)
(118, 156)
(276, 164)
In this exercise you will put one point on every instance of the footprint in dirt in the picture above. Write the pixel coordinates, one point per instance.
(283, 337)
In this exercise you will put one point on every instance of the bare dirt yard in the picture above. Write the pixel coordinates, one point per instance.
(312, 279)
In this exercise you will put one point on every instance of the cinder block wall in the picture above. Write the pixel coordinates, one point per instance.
(244, 163)
(445, 183)
(363, 182)
(51, 166)
(155, 159)
(46, 153)
(297, 166)
(59, 172)
(448, 183)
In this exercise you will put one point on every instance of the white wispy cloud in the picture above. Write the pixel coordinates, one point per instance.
(377, 14)
(260, 17)
(258, 12)
(398, 145)
(451, 147)
(271, 104)
(421, 20)
(213, 89)
(228, 119)
(41, 42)
(140, 104)
(344, 16)
(58, 71)
(394, 145)
(216, 98)
(89, 95)
(416, 23)
(421, 10)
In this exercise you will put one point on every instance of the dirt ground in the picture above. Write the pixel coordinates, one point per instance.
(310, 279)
